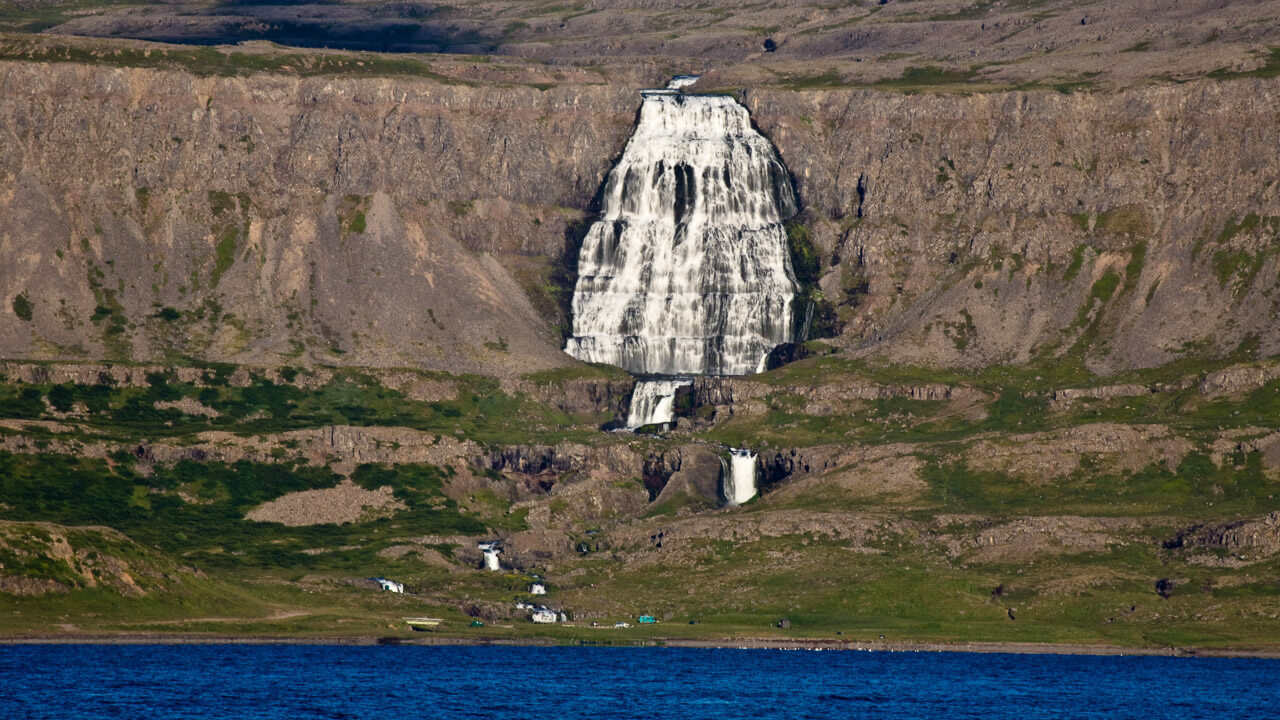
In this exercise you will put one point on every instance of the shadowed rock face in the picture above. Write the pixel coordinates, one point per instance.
(278, 219)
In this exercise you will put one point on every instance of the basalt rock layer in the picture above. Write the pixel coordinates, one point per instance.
(1131, 228)
(151, 215)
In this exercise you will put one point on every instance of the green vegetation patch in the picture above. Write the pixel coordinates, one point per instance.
(1077, 261)
(224, 255)
(230, 229)
(906, 590)
(1270, 68)
(1099, 293)
(1247, 224)
(22, 306)
(961, 332)
(928, 76)
(814, 313)
(36, 565)
(481, 410)
(1129, 220)
(1237, 487)
(351, 215)
(1105, 286)
(819, 81)
(197, 510)
(168, 314)
(1237, 266)
(1133, 270)
(1240, 265)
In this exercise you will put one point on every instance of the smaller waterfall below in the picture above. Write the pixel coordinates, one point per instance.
(740, 483)
(653, 402)
(490, 551)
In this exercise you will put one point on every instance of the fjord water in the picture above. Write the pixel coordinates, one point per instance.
(302, 681)
(687, 272)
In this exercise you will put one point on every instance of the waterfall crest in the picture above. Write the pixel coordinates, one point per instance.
(653, 402)
(687, 272)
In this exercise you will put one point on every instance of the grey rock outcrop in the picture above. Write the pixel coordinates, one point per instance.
(697, 481)
(1259, 535)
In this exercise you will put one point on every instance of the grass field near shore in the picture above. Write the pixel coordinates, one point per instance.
(1138, 521)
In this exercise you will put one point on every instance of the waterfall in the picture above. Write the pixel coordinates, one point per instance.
(687, 272)
(490, 551)
(740, 482)
(653, 402)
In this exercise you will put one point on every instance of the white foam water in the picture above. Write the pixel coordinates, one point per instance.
(490, 551)
(687, 272)
(740, 482)
(653, 402)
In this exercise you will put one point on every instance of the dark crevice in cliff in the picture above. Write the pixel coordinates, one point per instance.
(563, 275)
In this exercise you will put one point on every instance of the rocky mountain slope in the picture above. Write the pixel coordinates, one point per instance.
(291, 318)
(153, 215)
(270, 218)
(998, 40)
(1130, 228)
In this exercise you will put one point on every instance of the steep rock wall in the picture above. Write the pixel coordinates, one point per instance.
(152, 215)
(998, 228)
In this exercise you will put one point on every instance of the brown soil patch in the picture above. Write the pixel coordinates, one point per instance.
(1043, 457)
(427, 556)
(1030, 537)
(344, 503)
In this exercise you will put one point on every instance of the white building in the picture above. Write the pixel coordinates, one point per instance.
(537, 589)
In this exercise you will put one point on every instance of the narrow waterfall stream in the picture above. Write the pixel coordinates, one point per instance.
(740, 482)
(687, 271)
(490, 552)
(653, 402)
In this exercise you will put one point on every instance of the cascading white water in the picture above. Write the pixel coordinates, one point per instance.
(653, 402)
(687, 272)
(740, 482)
(490, 551)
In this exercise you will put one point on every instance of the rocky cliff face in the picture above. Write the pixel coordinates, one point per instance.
(1128, 228)
(151, 215)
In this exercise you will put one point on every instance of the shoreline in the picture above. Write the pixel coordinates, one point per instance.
(735, 643)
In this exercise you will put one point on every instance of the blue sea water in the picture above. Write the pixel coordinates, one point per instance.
(301, 681)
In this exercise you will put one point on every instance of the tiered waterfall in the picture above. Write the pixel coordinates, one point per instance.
(687, 272)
